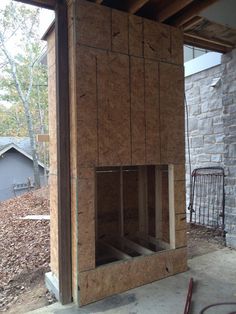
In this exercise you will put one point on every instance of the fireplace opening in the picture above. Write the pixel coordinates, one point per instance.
(132, 212)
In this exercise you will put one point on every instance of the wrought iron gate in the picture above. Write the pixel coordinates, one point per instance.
(207, 197)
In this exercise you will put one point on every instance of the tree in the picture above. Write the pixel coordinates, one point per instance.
(24, 77)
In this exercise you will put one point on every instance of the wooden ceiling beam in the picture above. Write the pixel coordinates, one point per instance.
(171, 9)
(134, 5)
(206, 43)
(190, 11)
(195, 20)
(46, 4)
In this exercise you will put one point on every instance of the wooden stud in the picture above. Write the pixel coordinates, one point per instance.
(195, 20)
(121, 203)
(171, 205)
(158, 202)
(143, 210)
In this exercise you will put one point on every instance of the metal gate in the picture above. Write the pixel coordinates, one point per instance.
(207, 197)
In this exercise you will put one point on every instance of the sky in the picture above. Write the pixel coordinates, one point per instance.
(46, 17)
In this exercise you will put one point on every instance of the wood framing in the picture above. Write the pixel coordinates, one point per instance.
(63, 153)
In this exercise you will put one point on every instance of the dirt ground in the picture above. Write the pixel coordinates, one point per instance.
(25, 252)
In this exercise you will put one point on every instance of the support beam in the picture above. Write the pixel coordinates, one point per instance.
(46, 4)
(134, 5)
(205, 43)
(171, 9)
(142, 199)
(190, 11)
(63, 153)
(195, 20)
(117, 253)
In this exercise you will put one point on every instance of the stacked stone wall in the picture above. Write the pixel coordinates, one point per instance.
(212, 128)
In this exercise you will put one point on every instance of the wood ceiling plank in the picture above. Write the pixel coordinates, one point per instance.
(135, 5)
(195, 20)
(171, 9)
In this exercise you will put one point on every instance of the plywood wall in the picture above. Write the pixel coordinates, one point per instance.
(126, 100)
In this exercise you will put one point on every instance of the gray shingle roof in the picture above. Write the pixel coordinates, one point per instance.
(22, 142)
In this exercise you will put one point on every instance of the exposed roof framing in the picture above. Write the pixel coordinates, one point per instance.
(46, 4)
(190, 11)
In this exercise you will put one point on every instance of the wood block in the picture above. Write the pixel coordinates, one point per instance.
(179, 172)
(135, 36)
(86, 224)
(137, 111)
(157, 43)
(152, 112)
(87, 143)
(114, 110)
(86, 83)
(177, 44)
(180, 222)
(172, 114)
(180, 238)
(179, 197)
(93, 25)
(119, 31)
(121, 276)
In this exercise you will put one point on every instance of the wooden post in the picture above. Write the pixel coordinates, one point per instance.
(171, 206)
(121, 203)
(63, 152)
(142, 200)
(158, 202)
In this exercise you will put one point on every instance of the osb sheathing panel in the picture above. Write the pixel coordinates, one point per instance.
(152, 112)
(53, 181)
(93, 25)
(137, 110)
(121, 105)
(135, 36)
(176, 46)
(121, 276)
(120, 29)
(179, 197)
(172, 114)
(86, 220)
(113, 109)
(157, 41)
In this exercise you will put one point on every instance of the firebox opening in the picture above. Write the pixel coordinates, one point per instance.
(132, 212)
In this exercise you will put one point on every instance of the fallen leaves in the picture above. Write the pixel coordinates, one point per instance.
(24, 245)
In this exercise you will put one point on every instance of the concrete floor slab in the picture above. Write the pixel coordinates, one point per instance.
(214, 277)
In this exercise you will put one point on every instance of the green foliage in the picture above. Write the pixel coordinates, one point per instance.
(21, 50)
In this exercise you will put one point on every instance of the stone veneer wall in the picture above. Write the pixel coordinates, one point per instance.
(212, 129)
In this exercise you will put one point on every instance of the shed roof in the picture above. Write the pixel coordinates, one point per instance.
(6, 148)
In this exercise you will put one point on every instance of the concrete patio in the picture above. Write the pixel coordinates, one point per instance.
(214, 277)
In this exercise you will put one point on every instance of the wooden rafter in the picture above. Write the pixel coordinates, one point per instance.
(174, 7)
(46, 4)
(134, 5)
(206, 43)
(195, 20)
(190, 11)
